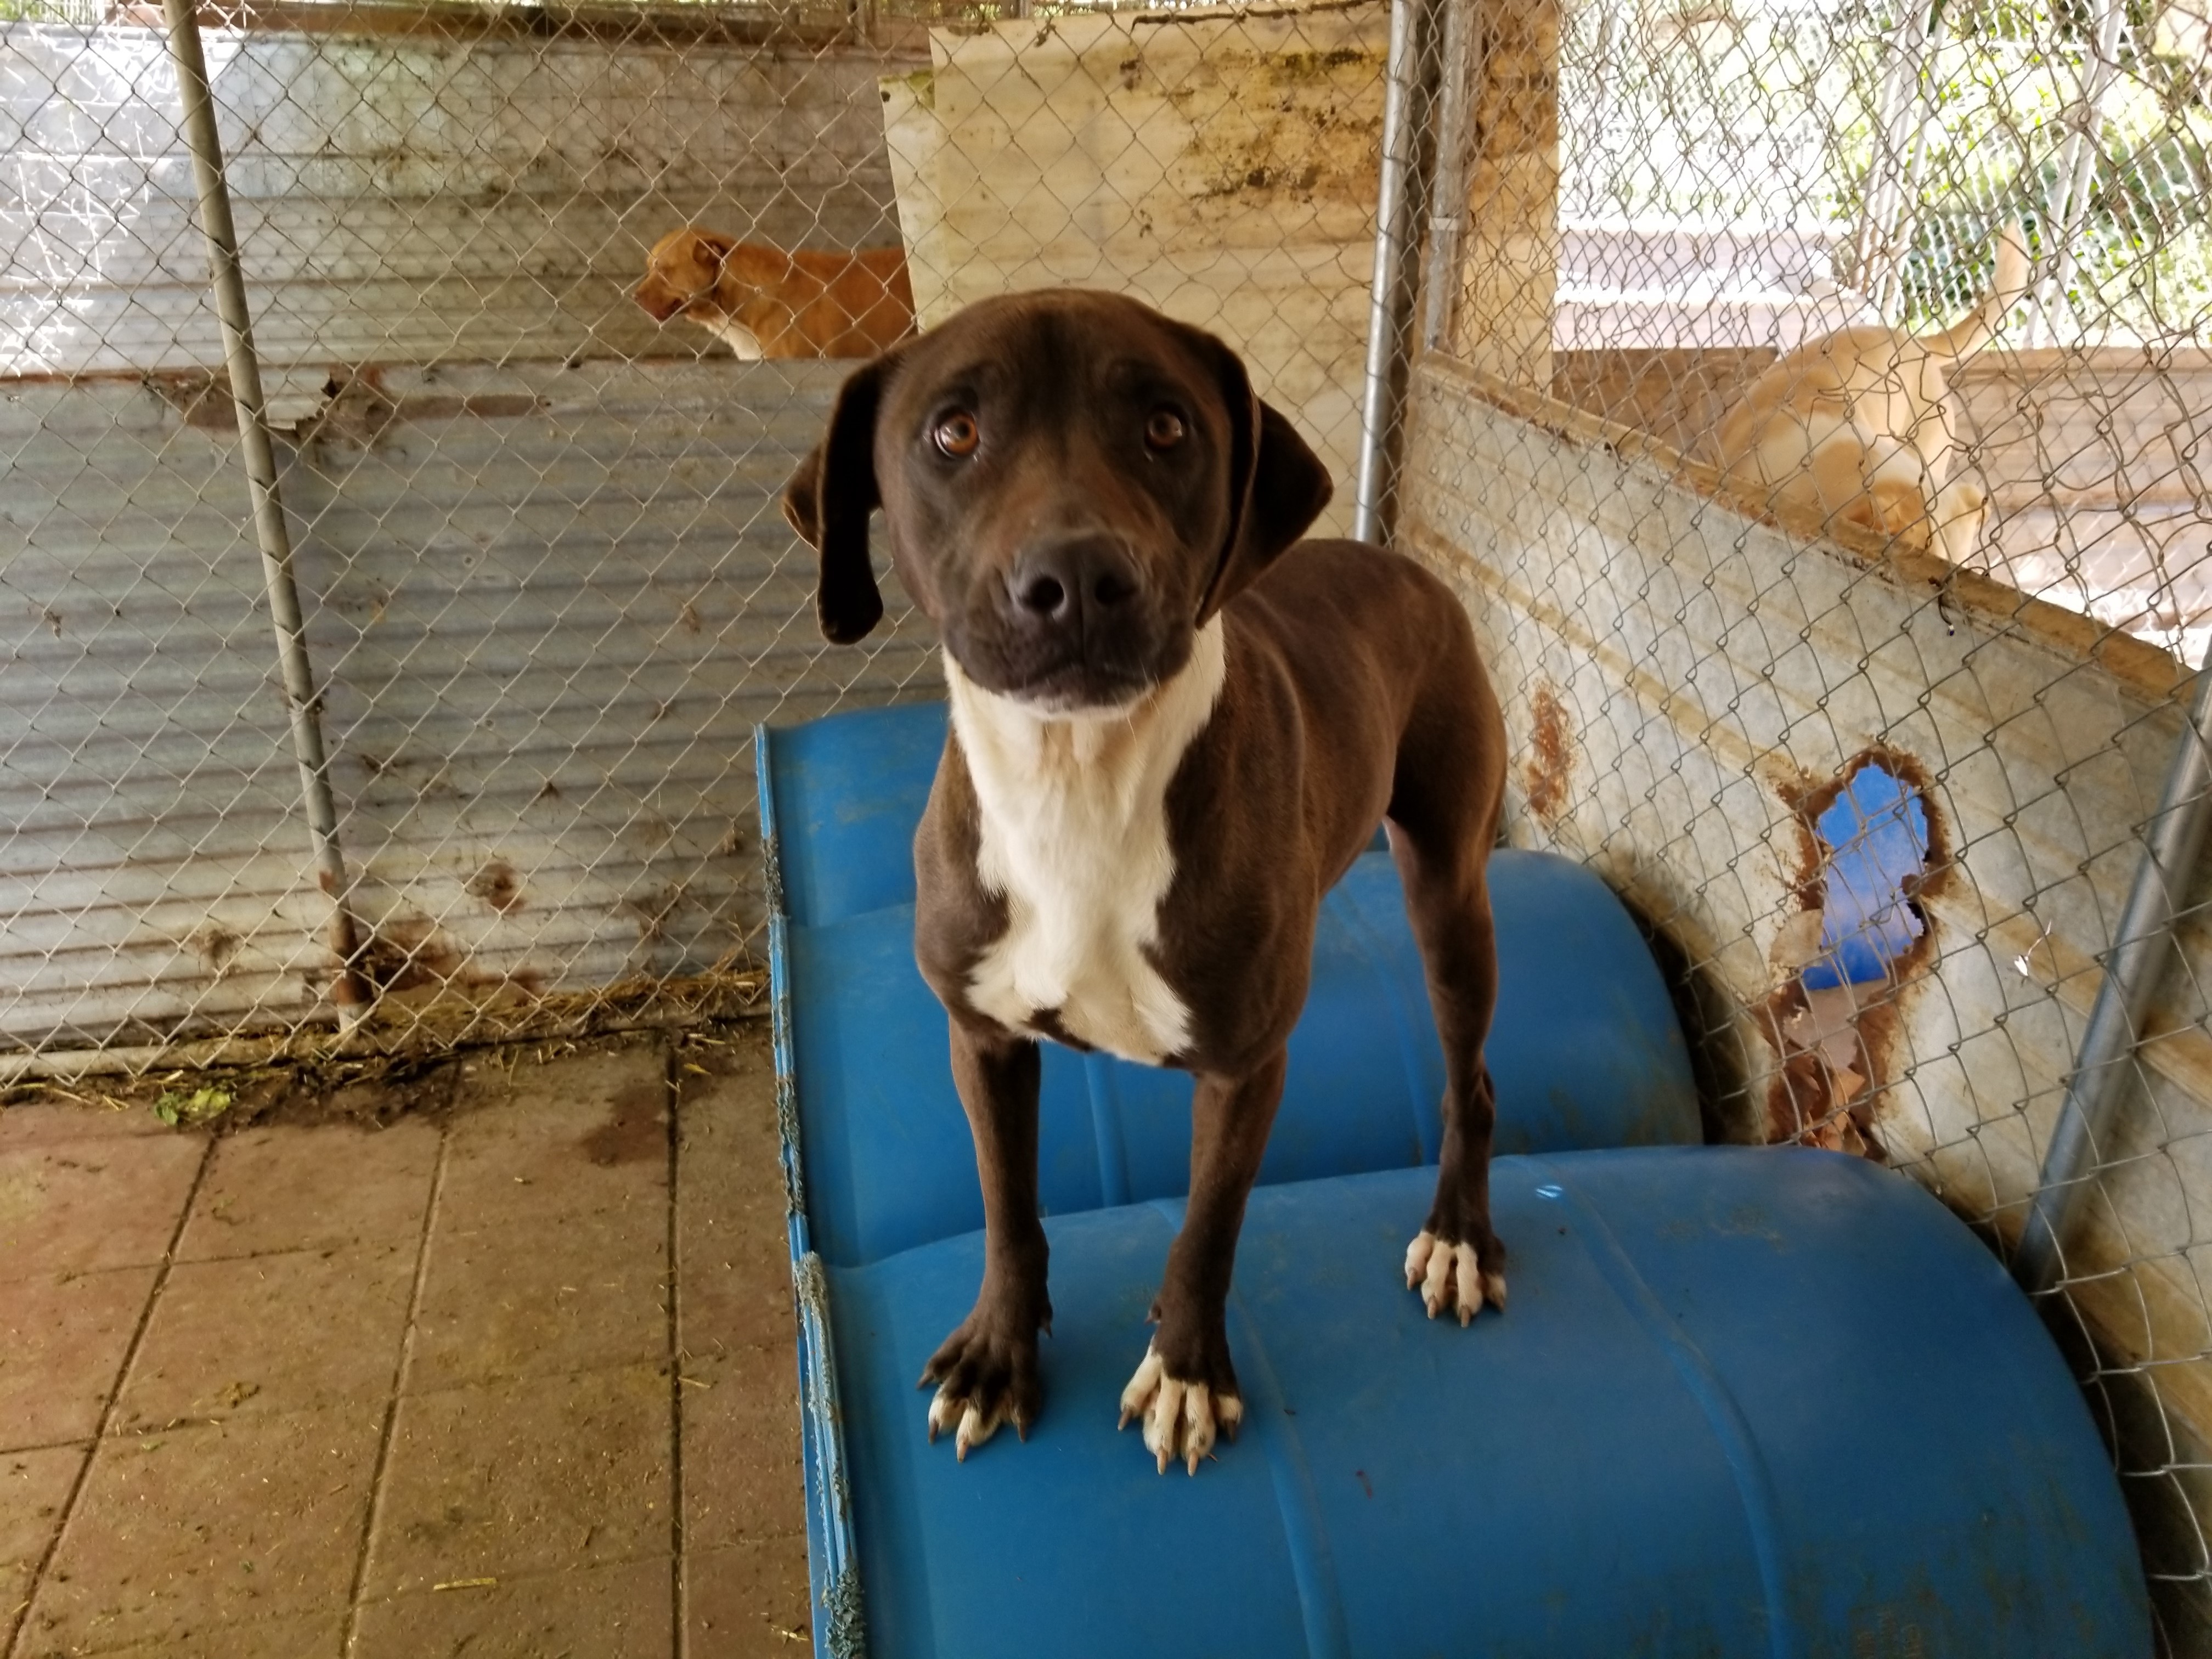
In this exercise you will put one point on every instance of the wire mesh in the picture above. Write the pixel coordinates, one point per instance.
(550, 592)
(547, 592)
(1847, 635)
(1860, 689)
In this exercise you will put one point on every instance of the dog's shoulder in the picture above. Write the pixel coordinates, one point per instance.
(1323, 567)
(1324, 597)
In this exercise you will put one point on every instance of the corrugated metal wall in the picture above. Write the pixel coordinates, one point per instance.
(152, 861)
(549, 593)
(555, 602)
(548, 605)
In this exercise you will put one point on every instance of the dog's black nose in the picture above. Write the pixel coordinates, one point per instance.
(1057, 582)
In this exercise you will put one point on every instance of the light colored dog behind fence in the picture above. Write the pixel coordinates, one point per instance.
(1860, 426)
(766, 303)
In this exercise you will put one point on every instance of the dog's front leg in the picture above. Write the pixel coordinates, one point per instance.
(1186, 1388)
(986, 1370)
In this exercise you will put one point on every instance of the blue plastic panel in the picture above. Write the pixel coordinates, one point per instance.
(1585, 1053)
(1771, 1404)
(849, 790)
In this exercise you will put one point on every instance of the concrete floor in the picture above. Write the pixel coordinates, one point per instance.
(514, 1379)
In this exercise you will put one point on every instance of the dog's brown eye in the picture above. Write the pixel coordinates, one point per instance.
(1164, 430)
(957, 435)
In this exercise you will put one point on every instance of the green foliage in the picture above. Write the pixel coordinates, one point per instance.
(2004, 91)
(178, 1108)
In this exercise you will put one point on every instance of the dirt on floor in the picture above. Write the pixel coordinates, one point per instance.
(489, 1357)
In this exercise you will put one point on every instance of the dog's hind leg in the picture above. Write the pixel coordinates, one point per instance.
(1186, 1391)
(1443, 819)
(986, 1370)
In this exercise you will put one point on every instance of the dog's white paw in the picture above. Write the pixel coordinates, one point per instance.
(1450, 1276)
(1181, 1420)
(969, 1424)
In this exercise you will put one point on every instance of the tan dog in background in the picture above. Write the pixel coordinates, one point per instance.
(767, 303)
(1859, 425)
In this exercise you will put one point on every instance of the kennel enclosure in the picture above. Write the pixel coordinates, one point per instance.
(547, 596)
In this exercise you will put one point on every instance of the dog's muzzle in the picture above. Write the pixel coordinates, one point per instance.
(1077, 630)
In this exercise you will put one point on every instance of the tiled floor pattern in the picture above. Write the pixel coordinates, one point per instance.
(514, 1381)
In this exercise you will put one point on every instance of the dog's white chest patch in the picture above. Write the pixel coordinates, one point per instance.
(1074, 838)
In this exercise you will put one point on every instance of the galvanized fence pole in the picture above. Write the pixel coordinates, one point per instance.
(2143, 950)
(302, 703)
(1448, 175)
(1397, 201)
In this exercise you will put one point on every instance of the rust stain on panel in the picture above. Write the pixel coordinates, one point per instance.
(406, 952)
(202, 396)
(498, 885)
(217, 945)
(359, 406)
(650, 910)
(1552, 757)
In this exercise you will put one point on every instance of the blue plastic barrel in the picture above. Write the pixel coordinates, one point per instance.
(1586, 1051)
(1770, 1403)
(1747, 1404)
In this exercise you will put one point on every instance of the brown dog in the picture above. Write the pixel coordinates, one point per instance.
(1172, 731)
(1858, 425)
(767, 303)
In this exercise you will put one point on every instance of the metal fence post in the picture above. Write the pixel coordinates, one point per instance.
(302, 701)
(1397, 199)
(2142, 950)
(1448, 176)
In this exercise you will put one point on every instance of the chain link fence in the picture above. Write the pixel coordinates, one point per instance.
(546, 590)
(528, 518)
(1849, 636)
(1856, 664)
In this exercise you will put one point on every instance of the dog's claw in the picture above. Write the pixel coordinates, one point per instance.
(1438, 1279)
(1417, 1258)
(1139, 1391)
(1163, 1420)
(969, 1424)
(1451, 1276)
(1181, 1420)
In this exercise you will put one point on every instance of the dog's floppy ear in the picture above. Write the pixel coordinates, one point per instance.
(716, 247)
(828, 502)
(1276, 485)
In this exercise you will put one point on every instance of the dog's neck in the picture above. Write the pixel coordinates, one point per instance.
(1073, 835)
(1119, 760)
